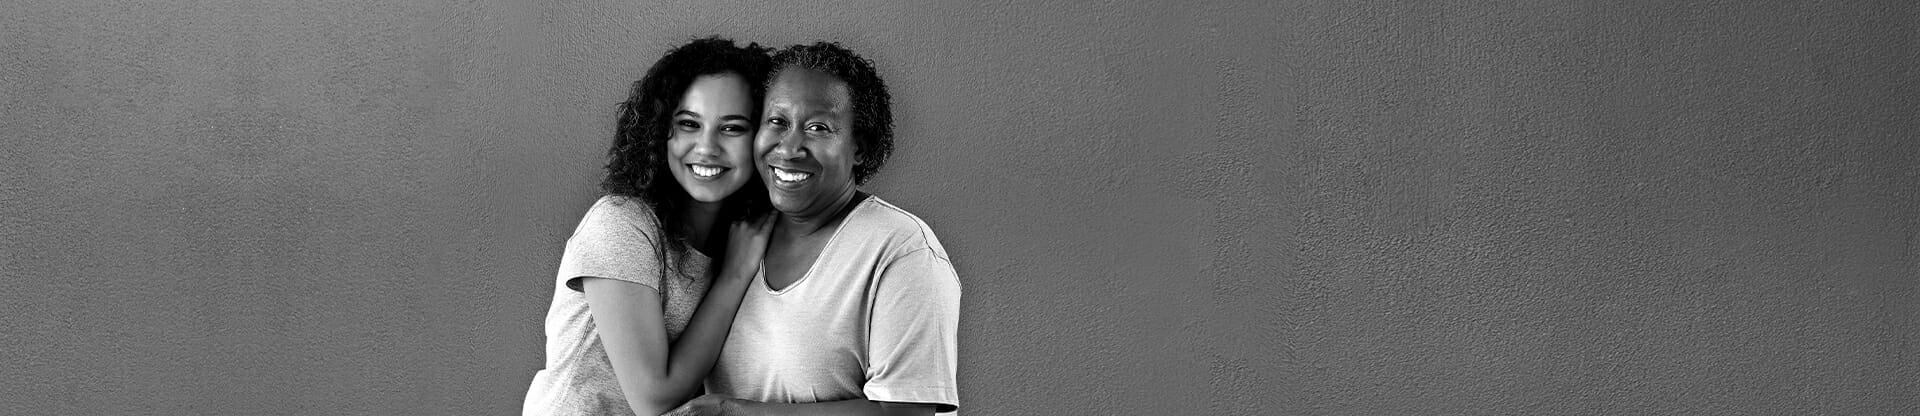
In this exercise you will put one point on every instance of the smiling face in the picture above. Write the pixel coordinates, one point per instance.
(712, 136)
(805, 146)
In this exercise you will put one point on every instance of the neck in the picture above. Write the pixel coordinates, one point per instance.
(699, 222)
(802, 225)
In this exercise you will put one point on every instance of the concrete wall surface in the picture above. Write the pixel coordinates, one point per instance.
(1229, 207)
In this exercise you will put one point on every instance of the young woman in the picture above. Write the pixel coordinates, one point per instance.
(648, 285)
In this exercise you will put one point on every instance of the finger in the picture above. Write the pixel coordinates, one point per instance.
(678, 411)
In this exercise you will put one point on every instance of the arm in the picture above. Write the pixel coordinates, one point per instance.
(653, 376)
(718, 405)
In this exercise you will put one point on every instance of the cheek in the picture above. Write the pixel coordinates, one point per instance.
(676, 146)
(761, 147)
(741, 151)
(847, 156)
(762, 143)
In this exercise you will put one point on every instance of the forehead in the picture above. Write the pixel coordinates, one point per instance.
(716, 89)
(808, 90)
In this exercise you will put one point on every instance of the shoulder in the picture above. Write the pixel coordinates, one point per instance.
(619, 211)
(616, 219)
(900, 229)
(615, 240)
(620, 206)
(910, 257)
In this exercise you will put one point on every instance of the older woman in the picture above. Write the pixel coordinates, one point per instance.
(639, 311)
(857, 309)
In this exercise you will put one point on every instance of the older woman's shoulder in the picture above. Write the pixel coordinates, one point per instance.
(878, 216)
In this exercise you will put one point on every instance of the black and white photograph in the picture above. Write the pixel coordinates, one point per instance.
(1012, 207)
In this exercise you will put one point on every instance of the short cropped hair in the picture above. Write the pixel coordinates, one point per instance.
(872, 105)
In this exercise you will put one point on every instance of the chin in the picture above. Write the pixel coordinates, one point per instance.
(785, 205)
(708, 195)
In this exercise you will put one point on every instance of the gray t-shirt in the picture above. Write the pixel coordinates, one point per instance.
(875, 317)
(616, 240)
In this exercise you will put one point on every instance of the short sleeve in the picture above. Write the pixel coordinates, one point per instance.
(912, 343)
(614, 241)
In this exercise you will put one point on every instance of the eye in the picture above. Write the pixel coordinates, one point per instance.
(689, 125)
(733, 128)
(819, 128)
(776, 122)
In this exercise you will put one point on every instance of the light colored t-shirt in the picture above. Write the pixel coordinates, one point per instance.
(615, 240)
(874, 318)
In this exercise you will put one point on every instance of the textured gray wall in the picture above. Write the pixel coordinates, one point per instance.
(1233, 207)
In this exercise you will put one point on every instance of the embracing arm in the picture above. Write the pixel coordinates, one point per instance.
(653, 376)
(714, 404)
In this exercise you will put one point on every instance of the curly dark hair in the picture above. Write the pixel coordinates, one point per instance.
(637, 164)
(872, 105)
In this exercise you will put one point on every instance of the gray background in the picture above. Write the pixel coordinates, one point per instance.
(1228, 207)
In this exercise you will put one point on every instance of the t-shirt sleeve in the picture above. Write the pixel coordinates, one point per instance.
(614, 241)
(912, 342)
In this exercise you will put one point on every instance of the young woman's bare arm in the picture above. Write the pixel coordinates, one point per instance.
(654, 376)
(718, 405)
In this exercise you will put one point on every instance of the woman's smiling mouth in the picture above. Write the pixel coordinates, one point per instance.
(705, 171)
(790, 176)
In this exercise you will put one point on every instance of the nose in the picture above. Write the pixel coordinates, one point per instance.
(787, 145)
(707, 143)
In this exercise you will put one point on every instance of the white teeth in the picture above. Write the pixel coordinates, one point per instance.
(705, 171)
(790, 176)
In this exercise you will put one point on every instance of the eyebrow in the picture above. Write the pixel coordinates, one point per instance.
(821, 113)
(729, 117)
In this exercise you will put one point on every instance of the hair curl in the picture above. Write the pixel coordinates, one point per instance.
(872, 105)
(637, 164)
